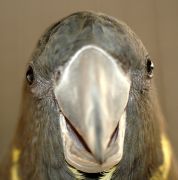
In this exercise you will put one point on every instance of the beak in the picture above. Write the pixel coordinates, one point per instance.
(92, 94)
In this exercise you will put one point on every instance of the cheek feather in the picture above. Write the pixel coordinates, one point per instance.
(163, 170)
(15, 166)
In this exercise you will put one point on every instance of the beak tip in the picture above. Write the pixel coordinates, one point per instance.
(100, 157)
(100, 160)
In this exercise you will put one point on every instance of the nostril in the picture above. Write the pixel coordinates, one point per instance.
(57, 75)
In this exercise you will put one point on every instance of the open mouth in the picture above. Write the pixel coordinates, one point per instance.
(78, 154)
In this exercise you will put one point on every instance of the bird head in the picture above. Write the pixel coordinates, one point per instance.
(87, 98)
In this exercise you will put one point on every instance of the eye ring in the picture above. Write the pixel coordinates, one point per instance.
(149, 67)
(30, 75)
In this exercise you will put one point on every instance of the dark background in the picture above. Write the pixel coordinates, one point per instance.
(22, 22)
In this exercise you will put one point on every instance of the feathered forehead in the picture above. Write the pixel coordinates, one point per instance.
(64, 38)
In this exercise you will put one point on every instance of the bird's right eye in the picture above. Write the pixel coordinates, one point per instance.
(149, 67)
(30, 75)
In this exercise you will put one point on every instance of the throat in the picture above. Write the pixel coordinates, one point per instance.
(93, 175)
(105, 175)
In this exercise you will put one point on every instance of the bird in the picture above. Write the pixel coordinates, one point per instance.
(89, 107)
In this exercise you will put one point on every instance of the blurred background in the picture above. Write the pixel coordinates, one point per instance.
(22, 23)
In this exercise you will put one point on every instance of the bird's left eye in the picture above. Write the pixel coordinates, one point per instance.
(149, 67)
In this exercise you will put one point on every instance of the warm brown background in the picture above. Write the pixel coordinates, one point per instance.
(22, 22)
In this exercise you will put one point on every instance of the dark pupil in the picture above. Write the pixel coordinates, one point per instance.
(150, 66)
(29, 75)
